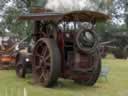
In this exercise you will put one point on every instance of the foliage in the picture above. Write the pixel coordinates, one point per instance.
(2, 3)
(119, 23)
(15, 26)
(10, 23)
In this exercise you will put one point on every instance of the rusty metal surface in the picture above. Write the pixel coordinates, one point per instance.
(86, 16)
(76, 15)
(41, 16)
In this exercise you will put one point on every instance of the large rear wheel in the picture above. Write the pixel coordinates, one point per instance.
(46, 62)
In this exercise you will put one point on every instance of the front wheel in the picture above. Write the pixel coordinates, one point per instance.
(20, 71)
(46, 62)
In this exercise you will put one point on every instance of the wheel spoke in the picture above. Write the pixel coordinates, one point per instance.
(44, 75)
(47, 57)
(41, 60)
(37, 54)
(42, 48)
(38, 67)
(41, 63)
(45, 51)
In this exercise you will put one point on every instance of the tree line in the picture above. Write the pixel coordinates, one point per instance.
(10, 25)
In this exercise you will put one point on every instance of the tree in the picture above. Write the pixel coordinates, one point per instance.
(19, 28)
(9, 17)
(2, 3)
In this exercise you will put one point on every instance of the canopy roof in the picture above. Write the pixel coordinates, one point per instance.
(86, 16)
(41, 16)
(71, 16)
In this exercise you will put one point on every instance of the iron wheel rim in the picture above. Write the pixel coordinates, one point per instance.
(43, 61)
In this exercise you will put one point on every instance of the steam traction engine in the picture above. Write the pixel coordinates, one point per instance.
(66, 47)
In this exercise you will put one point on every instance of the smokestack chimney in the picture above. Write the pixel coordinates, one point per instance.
(37, 6)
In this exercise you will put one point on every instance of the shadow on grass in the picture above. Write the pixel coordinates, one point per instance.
(64, 84)
(69, 85)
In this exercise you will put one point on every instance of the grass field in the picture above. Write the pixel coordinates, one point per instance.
(116, 85)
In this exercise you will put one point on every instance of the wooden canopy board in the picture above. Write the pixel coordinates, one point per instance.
(71, 16)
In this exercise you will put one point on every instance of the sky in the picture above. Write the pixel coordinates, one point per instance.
(59, 5)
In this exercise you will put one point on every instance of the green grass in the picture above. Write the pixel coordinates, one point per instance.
(116, 85)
